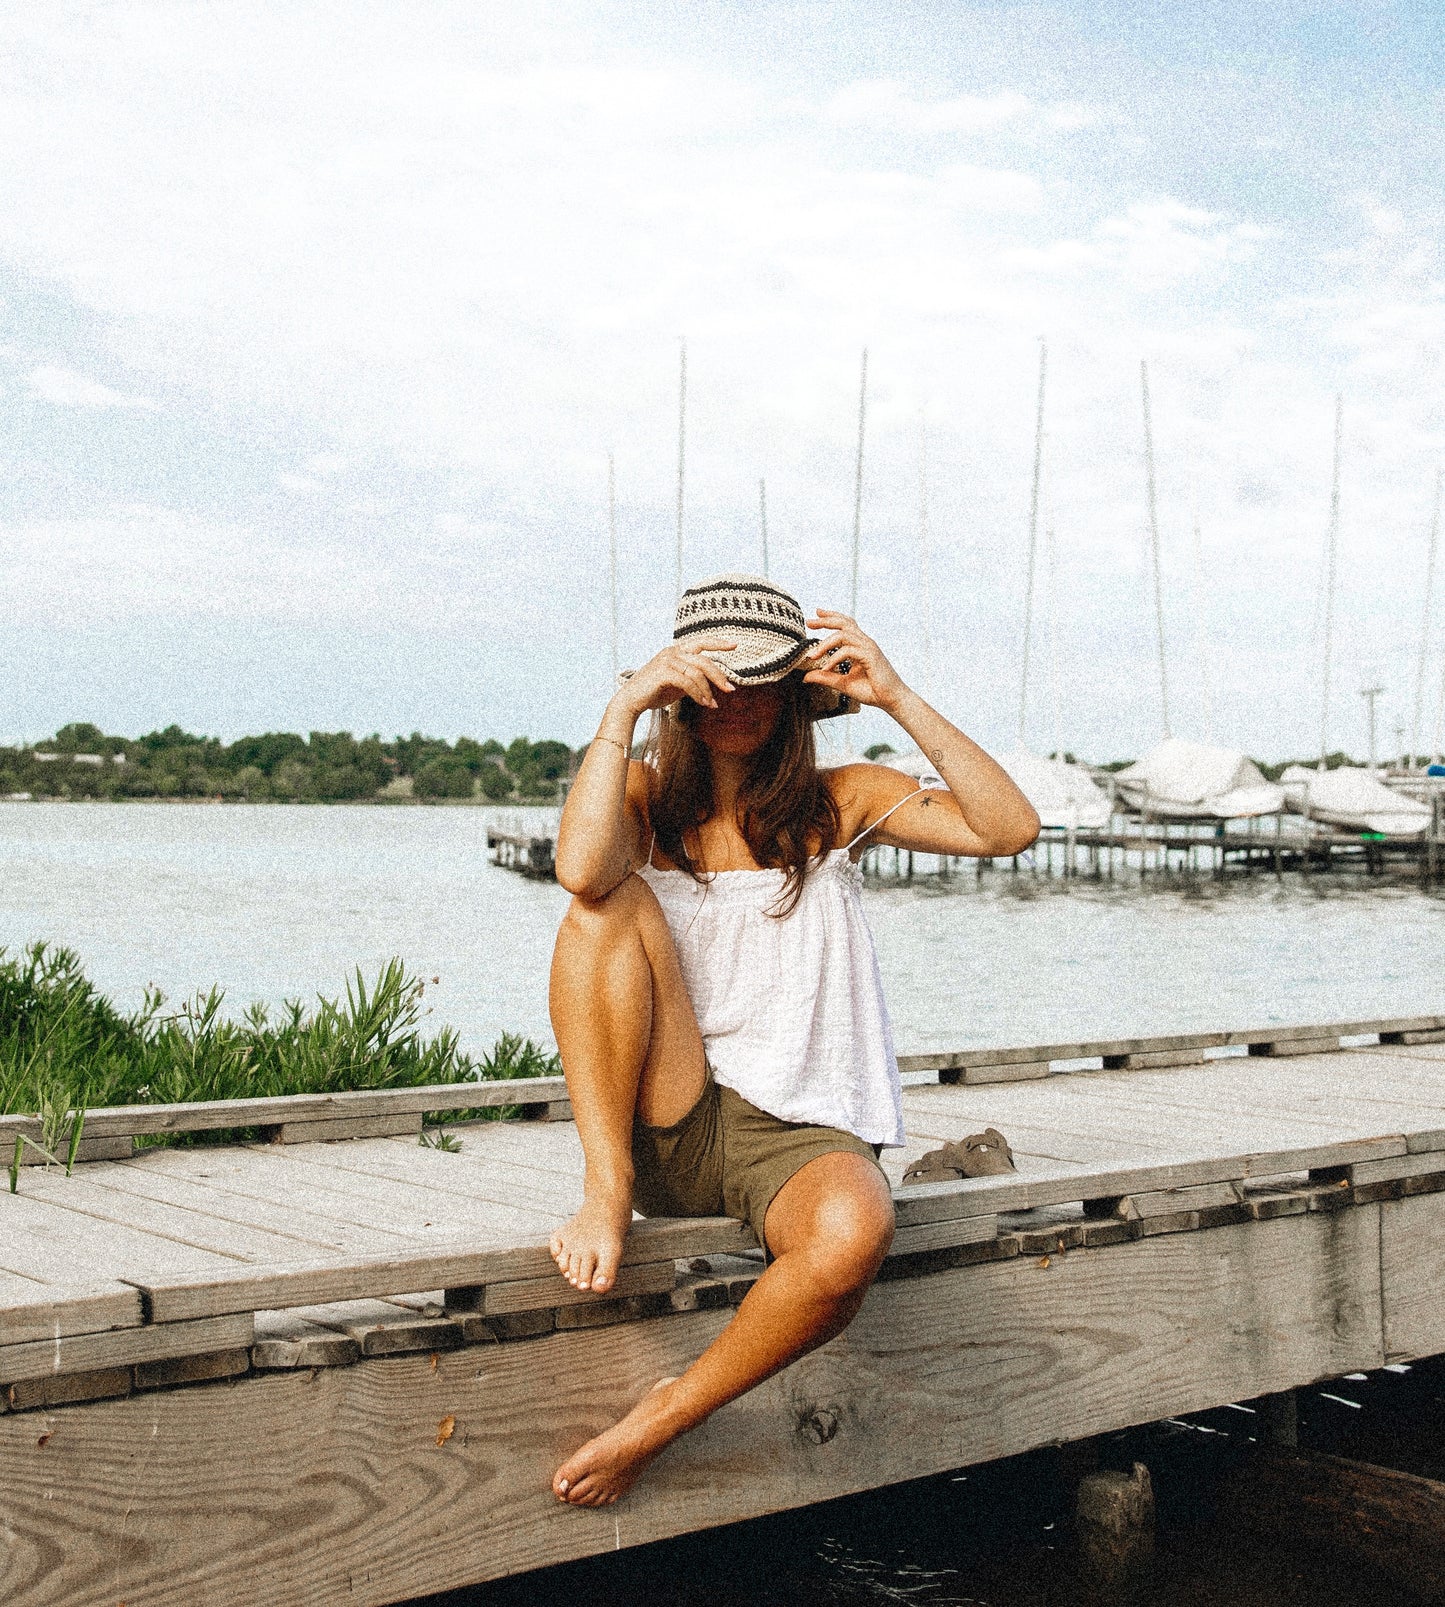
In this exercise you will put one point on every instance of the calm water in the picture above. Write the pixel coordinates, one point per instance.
(283, 902)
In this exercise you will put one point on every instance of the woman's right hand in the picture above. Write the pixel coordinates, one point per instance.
(681, 669)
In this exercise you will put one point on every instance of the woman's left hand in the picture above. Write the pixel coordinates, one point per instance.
(852, 663)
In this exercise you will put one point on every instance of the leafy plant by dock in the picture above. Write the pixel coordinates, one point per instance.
(65, 1047)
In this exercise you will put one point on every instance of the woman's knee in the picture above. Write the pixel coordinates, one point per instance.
(626, 905)
(848, 1232)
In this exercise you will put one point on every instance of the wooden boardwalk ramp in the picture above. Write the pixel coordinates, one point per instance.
(339, 1368)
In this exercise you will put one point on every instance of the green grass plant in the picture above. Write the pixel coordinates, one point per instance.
(65, 1047)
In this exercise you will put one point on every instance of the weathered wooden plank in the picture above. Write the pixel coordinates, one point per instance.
(1167, 1202)
(108, 1207)
(34, 1311)
(78, 1248)
(538, 1294)
(202, 1368)
(424, 1174)
(121, 1347)
(936, 1372)
(211, 1115)
(549, 1091)
(384, 1328)
(917, 1203)
(1153, 1059)
(287, 1339)
(400, 1197)
(1010, 1071)
(1088, 1049)
(1420, 1164)
(388, 1124)
(461, 1265)
(30, 1394)
(942, 1235)
(262, 1205)
(1412, 1251)
(90, 1148)
(1279, 1047)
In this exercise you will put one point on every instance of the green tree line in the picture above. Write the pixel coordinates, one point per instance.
(81, 761)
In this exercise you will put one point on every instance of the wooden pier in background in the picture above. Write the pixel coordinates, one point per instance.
(339, 1366)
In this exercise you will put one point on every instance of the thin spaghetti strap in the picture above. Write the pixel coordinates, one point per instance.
(921, 787)
(650, 847)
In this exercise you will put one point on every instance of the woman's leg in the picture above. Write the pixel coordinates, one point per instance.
(828, 1228)
(629, 1044)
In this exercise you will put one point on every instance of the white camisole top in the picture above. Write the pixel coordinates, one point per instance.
(791, 1009)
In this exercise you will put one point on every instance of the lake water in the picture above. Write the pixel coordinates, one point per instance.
(277, 902)
(284, 902)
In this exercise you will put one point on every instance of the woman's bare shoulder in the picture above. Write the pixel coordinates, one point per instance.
(862, 791)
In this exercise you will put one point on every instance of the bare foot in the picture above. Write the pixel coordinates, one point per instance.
(608, 1466)
(588, 1248)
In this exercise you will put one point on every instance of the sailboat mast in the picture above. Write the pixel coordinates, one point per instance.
(681, 452)
(763, 511)
(1201, 635)
(1033, 544)
(858, 483)
(1051, 552)
(1154, 546)
(1425, 623)
(925, 578)
(612, 557)
(1332, 538)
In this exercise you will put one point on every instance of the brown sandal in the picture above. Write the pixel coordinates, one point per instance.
(985, 1154)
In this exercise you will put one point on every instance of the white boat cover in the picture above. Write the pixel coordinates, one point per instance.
(1355, 799)
(1065, 795)
(1196, 781)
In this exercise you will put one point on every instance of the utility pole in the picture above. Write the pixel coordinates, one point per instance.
(681, 453)
(1033, 547)
(1154, 545)
(1370, 693)
(858, 483)
(1332, 542)
(612, 558)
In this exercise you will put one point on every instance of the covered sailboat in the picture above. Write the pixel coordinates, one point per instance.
(1065, 795)
(1354, 799)
(1182, 780)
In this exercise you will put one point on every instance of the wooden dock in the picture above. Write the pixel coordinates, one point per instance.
(339, 1367)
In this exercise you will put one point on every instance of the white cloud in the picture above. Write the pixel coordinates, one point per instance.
(463, 253)
(884, 103)
(66, 388)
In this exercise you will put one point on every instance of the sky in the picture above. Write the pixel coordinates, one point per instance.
(318, 325)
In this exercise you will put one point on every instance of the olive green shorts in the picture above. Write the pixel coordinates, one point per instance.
(727, 1158)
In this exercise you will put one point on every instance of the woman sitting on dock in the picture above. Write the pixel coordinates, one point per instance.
(714, 990)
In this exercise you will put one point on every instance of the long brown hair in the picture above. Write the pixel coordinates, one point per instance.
(785, 810)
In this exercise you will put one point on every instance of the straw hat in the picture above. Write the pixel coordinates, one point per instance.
(770, 630)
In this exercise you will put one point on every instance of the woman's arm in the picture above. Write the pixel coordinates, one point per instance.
(983, 813)
(600, 836)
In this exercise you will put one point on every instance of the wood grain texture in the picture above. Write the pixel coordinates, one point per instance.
(49, 1311)
(123, 1347)
(334, 1489)
(1412, 1251)
(432, 1267)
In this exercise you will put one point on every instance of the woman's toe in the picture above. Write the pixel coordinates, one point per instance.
(585, 1268)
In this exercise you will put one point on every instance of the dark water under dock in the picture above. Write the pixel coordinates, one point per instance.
(1000, 1535)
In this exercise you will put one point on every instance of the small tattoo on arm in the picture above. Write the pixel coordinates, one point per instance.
(937, 756)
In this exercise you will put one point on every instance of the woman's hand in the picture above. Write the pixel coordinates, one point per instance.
(682, 669)
(852, 663)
